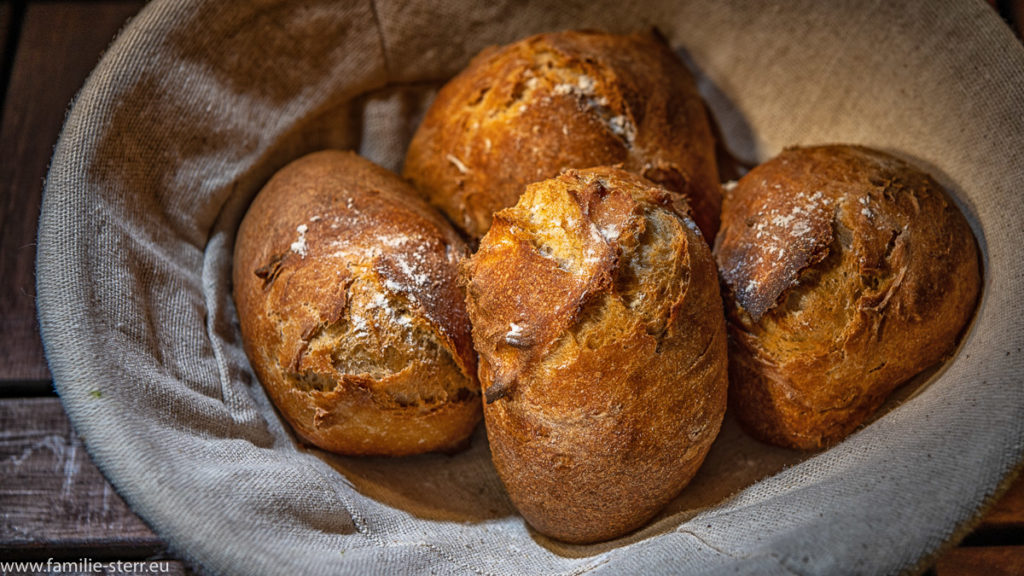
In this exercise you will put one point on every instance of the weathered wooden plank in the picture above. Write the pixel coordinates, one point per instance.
(54, 502)
(59, 43)
(986, 561)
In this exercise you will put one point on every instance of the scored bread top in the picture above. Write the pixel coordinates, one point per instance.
(522, 113)
(846, 272)
(412, 251)
(346, 288)
(795, 211)
(597, 315)
(551, 258)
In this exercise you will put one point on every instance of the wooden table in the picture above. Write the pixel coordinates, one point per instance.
(54, 502)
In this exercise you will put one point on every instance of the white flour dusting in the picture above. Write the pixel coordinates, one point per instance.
(299, 246)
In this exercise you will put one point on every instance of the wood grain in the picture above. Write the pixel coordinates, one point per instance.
(59, 44)
(55, 501)
(988, 561)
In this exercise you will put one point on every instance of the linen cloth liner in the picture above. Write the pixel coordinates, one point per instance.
(196, 104)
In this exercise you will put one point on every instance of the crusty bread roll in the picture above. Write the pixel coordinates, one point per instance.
(522, 113)
(847, 272)
(597, 315)
(351, 315)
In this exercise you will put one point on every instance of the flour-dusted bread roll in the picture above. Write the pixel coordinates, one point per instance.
(597, 316)
(847, 271)
(522, 113)
(351, 315)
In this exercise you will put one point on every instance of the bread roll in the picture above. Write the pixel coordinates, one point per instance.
(597, 316)
(521, 113)
(351, 315)
(847, 272)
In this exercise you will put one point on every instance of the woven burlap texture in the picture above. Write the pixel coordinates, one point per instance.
(196, 104)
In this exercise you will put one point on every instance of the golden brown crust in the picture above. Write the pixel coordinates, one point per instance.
(847, 272)
(351, 315)
(522, 113)
(598, 320)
